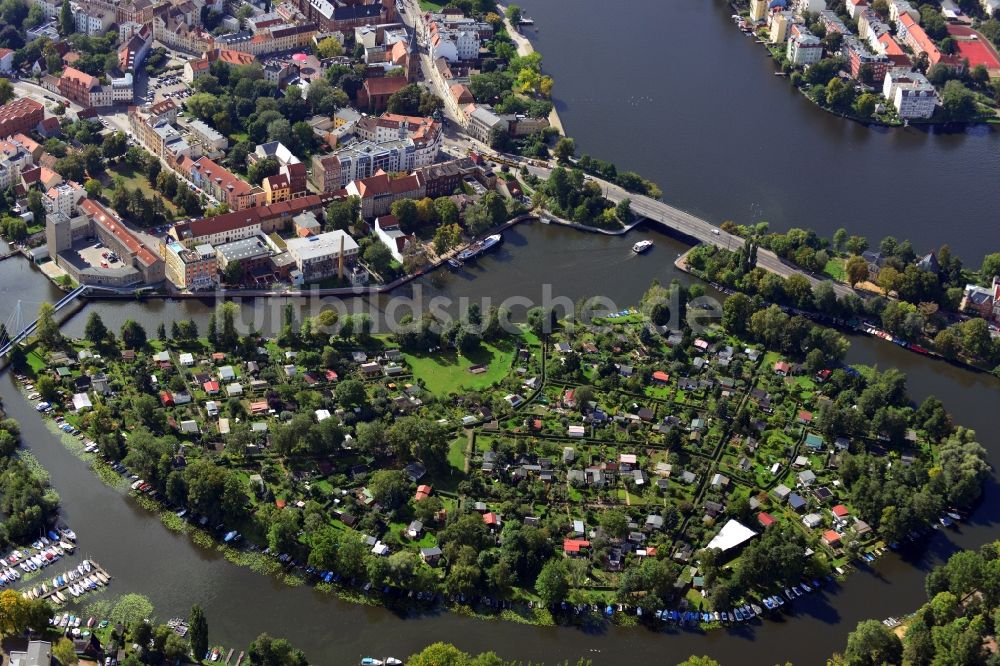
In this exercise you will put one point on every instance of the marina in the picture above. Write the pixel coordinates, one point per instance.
(87, 577)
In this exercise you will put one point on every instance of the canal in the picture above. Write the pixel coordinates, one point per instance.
(675, 92)
(145, 557)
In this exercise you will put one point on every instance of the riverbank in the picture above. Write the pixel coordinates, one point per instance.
(525, 47)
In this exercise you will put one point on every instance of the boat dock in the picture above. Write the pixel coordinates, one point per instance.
(50, 592)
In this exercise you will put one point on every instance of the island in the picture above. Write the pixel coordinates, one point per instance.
(607, 464)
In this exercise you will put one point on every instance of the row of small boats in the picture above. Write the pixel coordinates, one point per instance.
(42, 553)
(72, 584)
(388, 661)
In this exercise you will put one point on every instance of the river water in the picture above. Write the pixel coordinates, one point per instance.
(672, 89)
(143, 556)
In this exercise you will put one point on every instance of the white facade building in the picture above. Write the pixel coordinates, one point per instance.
(910, 93)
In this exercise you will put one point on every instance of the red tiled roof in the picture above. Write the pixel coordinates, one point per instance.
(831, 537)
(840, 511)
(211, 387)
(765, 519)
(574, 545)
(661, 376)
(102, 216)
(81, 78)
(385, 85)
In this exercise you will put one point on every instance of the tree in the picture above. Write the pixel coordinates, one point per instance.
(93, 188)
(198, 628)
(378, 257)
(839, 94)
(65, 652)
(564, 150)
(67, 24)
(857, 270)
(958, 102)
(47, 330)
(405, 212)
(268, 651)
(552, 584)
(329, 48)
(865, 105)
(343, 213)
(133, 334)
(623, 211)
(446, 237)
(6, 90)
(390, 488)
(514, 15)
(95, 330)
(268, 166)
(447, 211)
(699, 661)
(872, 644)
(989, 268)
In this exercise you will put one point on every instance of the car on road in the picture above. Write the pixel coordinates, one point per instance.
(715, 231)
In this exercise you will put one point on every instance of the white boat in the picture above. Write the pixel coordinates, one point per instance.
(86, 565)
(392, 661)
(371, 661)
(101, 577)
(642, 246)
(473, 251)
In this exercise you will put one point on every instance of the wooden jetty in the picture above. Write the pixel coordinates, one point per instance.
(95, 569)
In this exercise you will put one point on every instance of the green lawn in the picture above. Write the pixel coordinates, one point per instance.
(445, 373)
(835, 269)
(134, 180)
(456, 453)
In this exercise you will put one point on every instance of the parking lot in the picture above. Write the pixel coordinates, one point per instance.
(168, 86)
(96, 255)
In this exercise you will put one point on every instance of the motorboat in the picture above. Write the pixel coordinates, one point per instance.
(642, 246)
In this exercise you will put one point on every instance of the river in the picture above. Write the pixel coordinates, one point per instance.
(675, 92)
(143, 556)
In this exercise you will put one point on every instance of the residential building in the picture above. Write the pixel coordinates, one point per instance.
(890, 48)
(92, 18)
(253, 254)
(133, 52)
(176, 32)
(424, 133)
(454, 41)
(387, 230)
(910, 33)
(199, 66)
(378, 193)
(871, 27)
(63, 198)
(863, 64)
(192, 269)
(38, 653)
(318, 257)
(270, 40)
(778, 26)
(899, 7)
(84, 89)
(210, 138)
(483, 122)
(15, 157)
(6, 60)
(220, 183)
(910, 93)
(983, 301)
(274, 149)
(855, 7)
(363, 159)
(244, 223)
(758, 9)
(21, 115)
(804, 48)
(345, 17)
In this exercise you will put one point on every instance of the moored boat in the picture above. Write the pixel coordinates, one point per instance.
(479, 247)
